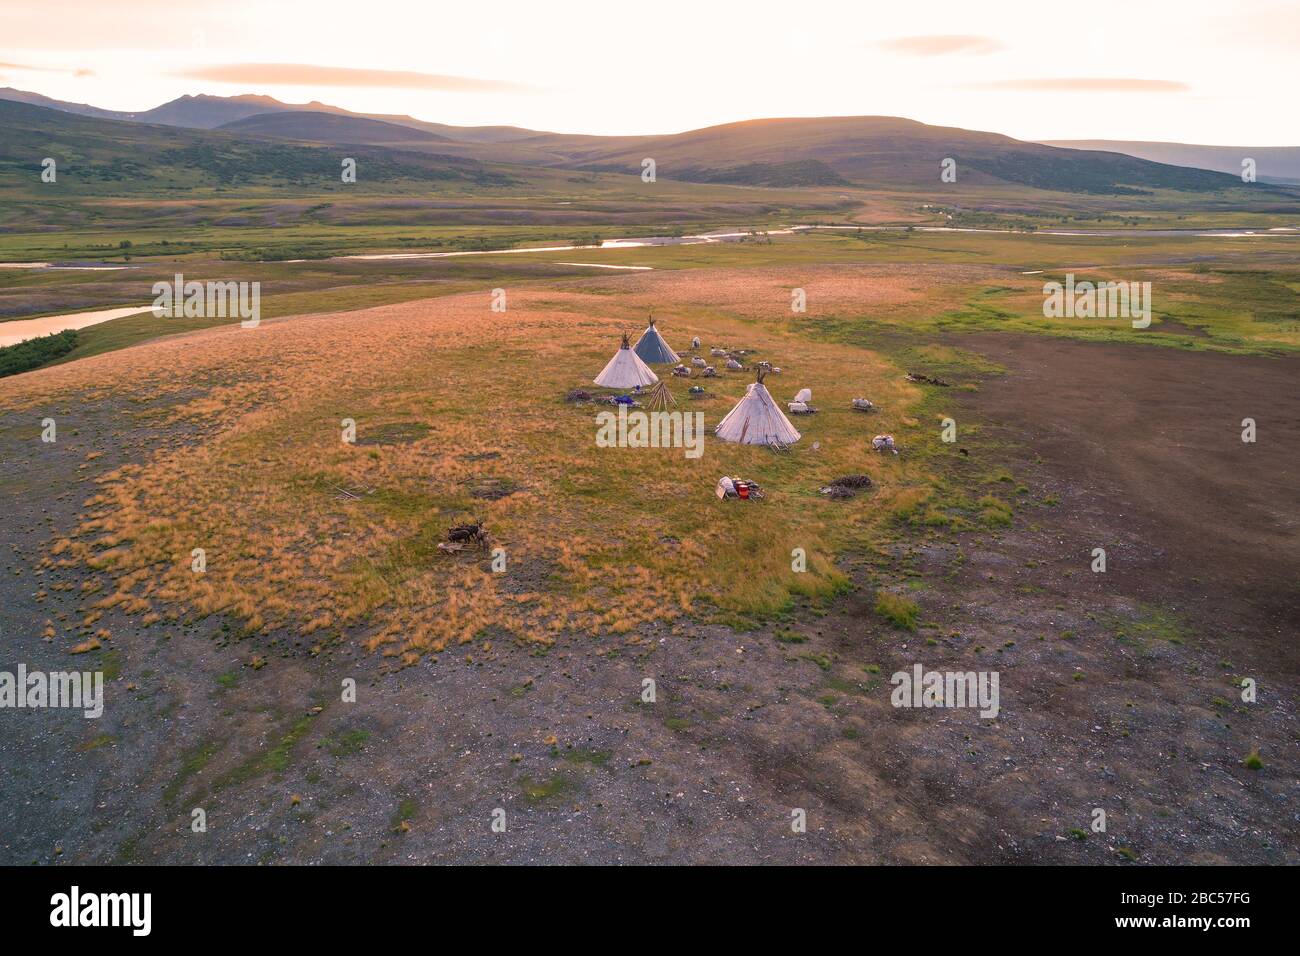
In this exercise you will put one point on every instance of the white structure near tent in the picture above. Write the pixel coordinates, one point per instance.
(803, 395)
(756, 420)
(652, 349)
(625, 370)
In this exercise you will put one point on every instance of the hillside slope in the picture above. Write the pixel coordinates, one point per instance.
(824, 151)
(209, 112)
(98, 156)
(1277, 163)
(333, 128)
(81, 109)
(880, 150)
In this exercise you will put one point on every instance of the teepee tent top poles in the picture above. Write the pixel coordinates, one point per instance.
(652, 349)
(626, 370)
(756, 419)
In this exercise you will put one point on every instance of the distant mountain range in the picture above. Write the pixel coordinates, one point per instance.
(114, 157)
(329, 128)
(1272, 163)
(833, 151)
(210, 112)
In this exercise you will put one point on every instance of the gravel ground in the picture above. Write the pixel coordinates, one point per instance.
(1104, 703)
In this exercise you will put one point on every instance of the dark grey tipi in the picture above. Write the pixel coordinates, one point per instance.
(652, 349)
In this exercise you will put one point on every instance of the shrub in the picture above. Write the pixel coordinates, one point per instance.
(897, 610)
(34, 353)
(994, 511)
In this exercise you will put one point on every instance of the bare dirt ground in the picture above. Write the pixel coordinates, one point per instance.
(1155, 437)
(1117, 689)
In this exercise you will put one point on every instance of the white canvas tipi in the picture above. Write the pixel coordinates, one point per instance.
(756, 420)
(625, 370)
(652, 349)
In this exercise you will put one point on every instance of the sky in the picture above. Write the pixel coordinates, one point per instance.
(1192, 71)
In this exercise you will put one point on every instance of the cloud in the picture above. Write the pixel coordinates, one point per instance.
(942, 44)
(306, 74)
(1084, 85)
(44, 69)
(38, 69)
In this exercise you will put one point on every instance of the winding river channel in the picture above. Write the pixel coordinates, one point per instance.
(18, 330)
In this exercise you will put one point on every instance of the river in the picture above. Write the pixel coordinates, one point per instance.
(17, 330)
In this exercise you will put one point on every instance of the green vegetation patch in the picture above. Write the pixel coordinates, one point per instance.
(550, 788)
(899, 611)
(34, 353)
(347, 743)
(1149, 624)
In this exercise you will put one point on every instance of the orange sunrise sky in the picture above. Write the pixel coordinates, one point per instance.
(1201, 72)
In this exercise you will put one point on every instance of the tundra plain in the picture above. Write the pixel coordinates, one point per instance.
(523, 690)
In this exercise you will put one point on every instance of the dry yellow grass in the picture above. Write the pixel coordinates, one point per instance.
(597, 541)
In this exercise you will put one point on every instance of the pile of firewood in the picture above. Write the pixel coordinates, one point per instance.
(462, 537)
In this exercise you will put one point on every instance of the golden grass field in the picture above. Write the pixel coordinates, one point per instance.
(448, 395)
(621, 563)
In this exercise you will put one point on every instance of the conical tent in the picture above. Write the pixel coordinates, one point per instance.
(652, 349)
(756, 420)
(625, 370)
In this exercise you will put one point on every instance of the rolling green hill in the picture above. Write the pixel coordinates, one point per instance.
(1273, 163)
(333, 128)
(269, 185)
(872, 151)
(209, 112)
(884, 151)
(97, 156)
